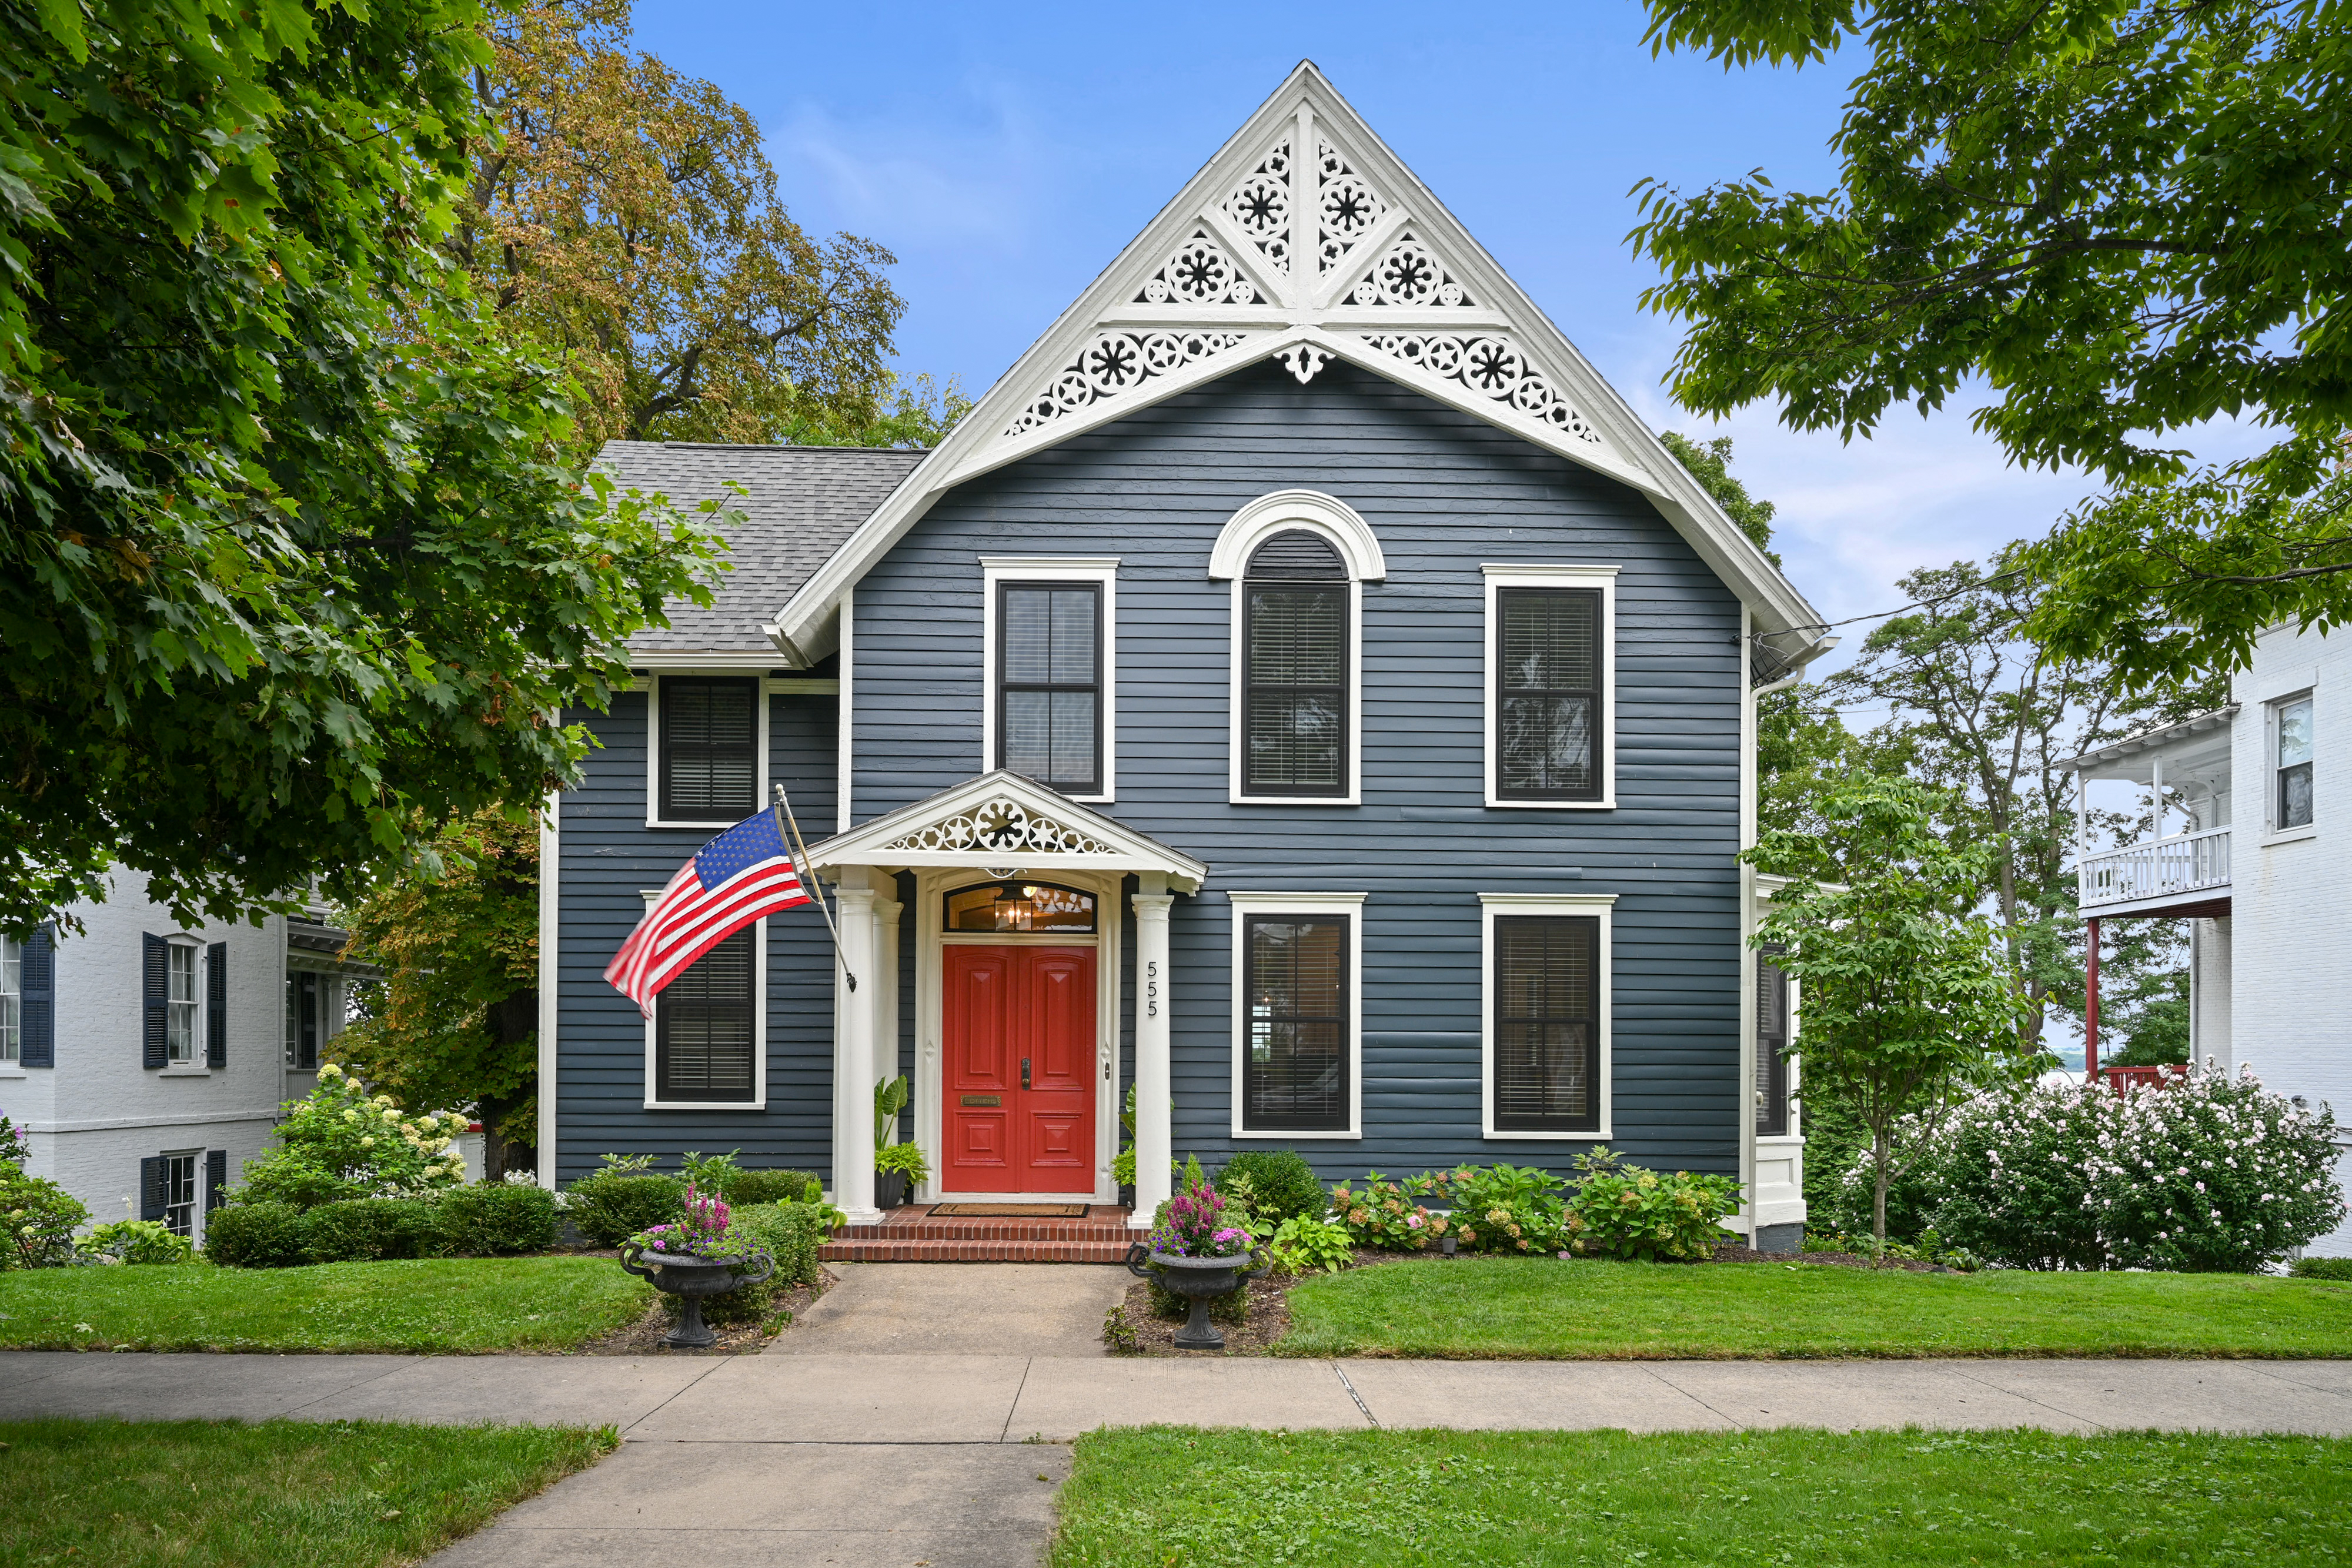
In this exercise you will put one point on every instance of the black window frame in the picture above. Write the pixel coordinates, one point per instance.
(668, 749)
(1595, 1021)
(674, 1008)
(1499, 693)
(1006, 686)
(1771, 1045)
(1342, 591)
(1343, 1117)
(306, 1019)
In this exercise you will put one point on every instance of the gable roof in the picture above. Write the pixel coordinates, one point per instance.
(804, 503)
(1008, 818)
(1305, 239)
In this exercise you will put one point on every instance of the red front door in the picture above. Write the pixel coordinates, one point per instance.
(1019, 1093)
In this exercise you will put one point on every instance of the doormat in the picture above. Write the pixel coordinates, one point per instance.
(1010, 1210)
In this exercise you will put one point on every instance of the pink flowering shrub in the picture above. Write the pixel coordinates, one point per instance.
(705, 1229)
(1195, 1223)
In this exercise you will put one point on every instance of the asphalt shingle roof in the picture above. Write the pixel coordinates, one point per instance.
(804, 502)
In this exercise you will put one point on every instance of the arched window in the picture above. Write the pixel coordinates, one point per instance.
(1295, 602)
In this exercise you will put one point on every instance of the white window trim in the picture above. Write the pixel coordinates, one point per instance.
(1102, 570)
(1360, 552)
(196, 1158)
(1351, 904)
(2272, 832)
(12, 1065)
(759, 1101)
(1512, 574)
(652, 684)
(192, 1065)
(1493, 903)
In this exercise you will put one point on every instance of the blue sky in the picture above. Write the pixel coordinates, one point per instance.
(1006, 153)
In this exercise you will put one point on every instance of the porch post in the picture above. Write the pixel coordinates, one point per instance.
(1154, 1142)
(853, 1180)
(2091, 1003)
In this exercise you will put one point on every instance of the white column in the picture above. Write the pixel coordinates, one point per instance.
(886, 985)
(1154, 1142)
(853, 1176)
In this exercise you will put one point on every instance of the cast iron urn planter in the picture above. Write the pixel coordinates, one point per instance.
(1199, 1278)
(690, 1278)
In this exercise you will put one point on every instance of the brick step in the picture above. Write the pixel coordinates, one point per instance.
(987, 1231)
(848, 1248)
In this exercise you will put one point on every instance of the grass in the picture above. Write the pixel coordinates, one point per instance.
(1167, 1496)
(1506, 1307)
(447, 1305)
(194, 1494)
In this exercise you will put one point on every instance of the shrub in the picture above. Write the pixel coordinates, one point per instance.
(136, 1241)
(2338, 1268)
(1625, 1212)
(791, 1232)
(610, 1207)
(2008, 1178)
(1282, 1184)
(497, 1219)
(1302, 1245)
(364, 1230)
(1497, 1208)
(38, 1219)
(255, 1236)
(1383, 1214)
(750, 1188)
(337, 1144)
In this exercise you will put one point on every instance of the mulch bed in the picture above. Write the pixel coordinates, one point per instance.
(644, 1337)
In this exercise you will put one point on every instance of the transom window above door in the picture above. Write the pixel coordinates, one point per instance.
(1019, 906)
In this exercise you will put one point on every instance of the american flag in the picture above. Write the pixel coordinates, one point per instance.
(742, 874)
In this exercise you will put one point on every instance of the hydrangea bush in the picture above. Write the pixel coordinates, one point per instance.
(1628, 1213)
(1496, 1208)
(1386, 1215)
(339, 1143)
(37, 1217)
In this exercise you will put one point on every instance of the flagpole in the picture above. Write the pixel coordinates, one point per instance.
(784, 805)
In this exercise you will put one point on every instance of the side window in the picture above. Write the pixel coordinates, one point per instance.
(709, 746)
(1296, 603)
(1772, 1048)
(1550, 709)
(2291, 797)
(1546, 1025)
(705, 1031)
(1298, 1030)
(180, 997)
(12, 998)
(303, 1019)
(1049, 694)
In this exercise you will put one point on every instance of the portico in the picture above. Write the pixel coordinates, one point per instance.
(1020, 905)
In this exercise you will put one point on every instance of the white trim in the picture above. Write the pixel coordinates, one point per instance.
(1517, 574)
(653, 746)
(717, 661)
(2272, 832)
(1245, 904)
(800, 686)
(1100, 570)
(550, 976)
(844, 809)
(932, 887)
(759, 1101)
(1748, 958)
(120, 1124)
(1269, 515)
(1490, 904)
(884, 842)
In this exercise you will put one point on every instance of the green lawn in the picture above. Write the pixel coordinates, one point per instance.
(449, 1305)
(1167, 1496)
(195, 1494)
(1476, 1307)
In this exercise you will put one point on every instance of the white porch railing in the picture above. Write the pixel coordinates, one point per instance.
(2190, 863)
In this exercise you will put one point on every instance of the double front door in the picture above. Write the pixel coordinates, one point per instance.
(1017, 1096)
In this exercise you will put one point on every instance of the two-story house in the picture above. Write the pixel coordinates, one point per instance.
(1301, 691)
(2251, 811)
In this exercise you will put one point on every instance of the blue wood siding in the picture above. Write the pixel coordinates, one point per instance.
(1444, 493)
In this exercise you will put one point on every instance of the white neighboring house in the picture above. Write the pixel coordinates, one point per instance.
(2255, 844)
(146, 1060)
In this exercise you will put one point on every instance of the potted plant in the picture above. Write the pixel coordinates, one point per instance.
(898, 1171)
(1198, 1253)
(699, 1255)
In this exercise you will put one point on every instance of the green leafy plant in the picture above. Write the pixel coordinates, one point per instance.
(790, 1233)
(889, 1099)
(1282, 1184)
(364, 1230)
(339, 1143)
(1496, 1208)
(1384, 1214)
(709, 1173)
(2337, 1268)
(38, 1220)
(746, 1187)
(255, 1236)
(1625, 1212)
(905, 1159)
(1302, 1245)
(612, 1205)
(497, 1219)
(146, 1241)
(1119, 1333)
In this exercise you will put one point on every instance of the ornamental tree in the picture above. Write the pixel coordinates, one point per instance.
(1909, 998)
(291, 571)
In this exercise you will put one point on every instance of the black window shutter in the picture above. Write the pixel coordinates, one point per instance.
(215, 1179)
(216, 1005)
(158, 974)
(36, 1004)
(151, 1186)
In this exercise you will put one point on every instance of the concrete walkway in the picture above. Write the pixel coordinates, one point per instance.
(961, 1309)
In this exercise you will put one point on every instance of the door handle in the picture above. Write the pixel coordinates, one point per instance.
(1025, 1073)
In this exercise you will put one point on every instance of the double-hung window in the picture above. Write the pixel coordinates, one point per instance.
(1771, 1047)
(12, 1002)
(1547, 1024)
(179, 1193)
(1297, 965)
(1550, 669)
(709, 747)
(1296, 610)
(706, 1028)
(1049, 683)
(180, 1007)
(305, 1022)
(2291, 797)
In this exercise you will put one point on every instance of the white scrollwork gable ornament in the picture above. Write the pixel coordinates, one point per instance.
(1345, 206)
(1001, 825)
(1200, 272)
(1303, 361)
(1409, 277)
(1260, 206)
(1113, 363)
(1491, 366)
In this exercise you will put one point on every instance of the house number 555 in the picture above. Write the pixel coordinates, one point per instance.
(1151, 988)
